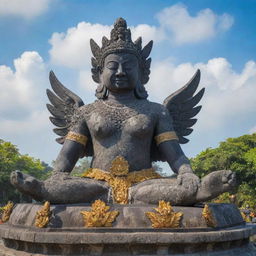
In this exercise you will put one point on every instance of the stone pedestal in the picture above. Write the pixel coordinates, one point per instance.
(131, 233)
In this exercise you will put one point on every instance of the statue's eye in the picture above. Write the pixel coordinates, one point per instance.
(112, 65)
(128, 66)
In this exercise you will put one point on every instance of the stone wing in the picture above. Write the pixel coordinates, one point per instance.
(63, 105)
(182, 107)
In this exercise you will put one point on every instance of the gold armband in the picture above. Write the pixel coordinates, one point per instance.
(79, 138)
(165, 137)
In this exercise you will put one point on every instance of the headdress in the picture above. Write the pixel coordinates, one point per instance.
(120, 41)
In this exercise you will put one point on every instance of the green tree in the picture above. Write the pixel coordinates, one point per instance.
(11, 160)
(81, 167)
(236, 154)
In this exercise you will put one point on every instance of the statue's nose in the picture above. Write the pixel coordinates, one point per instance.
(120, 71)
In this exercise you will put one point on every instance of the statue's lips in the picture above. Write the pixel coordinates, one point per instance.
(121, 82)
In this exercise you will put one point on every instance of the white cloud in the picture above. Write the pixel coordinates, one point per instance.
(24, 118)
(147, 33)
(85, 82)
(181, 27)
(228, 106)
(32, 123)
(72, 48)
(228, 95)
(20, 88)
(32, 134)
(24, 8)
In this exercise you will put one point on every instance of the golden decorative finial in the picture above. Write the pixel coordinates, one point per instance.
(119, 166)
(206, 213)
(43, 216)
(99, 216)
(7, 211)
(165, 216)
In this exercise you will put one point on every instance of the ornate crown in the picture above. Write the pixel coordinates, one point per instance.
(120, 41)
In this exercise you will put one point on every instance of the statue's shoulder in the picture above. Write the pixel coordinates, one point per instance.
(87, 109)
(154, 107)
(82, 113)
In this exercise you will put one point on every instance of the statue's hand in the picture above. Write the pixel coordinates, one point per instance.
(189, 181)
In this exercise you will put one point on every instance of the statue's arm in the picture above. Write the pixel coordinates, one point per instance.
(175, 157)
(73, 148)
(168, 144)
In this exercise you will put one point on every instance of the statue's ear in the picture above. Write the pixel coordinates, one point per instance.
(101, 91)
(140, 91)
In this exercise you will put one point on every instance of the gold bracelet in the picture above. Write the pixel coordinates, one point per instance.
(165, 137)
(79, 138)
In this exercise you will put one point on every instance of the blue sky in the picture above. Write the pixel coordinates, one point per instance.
(218, 37)
(237, 44)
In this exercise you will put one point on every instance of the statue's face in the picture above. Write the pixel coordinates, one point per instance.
(120, 72)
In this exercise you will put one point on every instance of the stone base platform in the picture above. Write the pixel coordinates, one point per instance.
(131, 233)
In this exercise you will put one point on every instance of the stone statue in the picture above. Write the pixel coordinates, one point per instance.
(124, 133)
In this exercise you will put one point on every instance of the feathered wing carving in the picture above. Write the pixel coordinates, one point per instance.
(63, 105)
(182, 107)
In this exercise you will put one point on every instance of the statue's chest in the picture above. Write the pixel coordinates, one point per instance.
(109, 122)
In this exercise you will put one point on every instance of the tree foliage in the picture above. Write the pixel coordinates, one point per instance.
(81, 167)
(11, 160)
(236, 154)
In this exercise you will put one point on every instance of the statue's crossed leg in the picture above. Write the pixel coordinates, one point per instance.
(170, 189)
(63, 188)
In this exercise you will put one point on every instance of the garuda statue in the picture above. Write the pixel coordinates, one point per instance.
(124, 133)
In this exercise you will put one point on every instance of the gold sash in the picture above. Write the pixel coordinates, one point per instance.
(122, 181)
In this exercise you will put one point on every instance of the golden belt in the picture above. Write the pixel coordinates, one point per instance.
(120, 184)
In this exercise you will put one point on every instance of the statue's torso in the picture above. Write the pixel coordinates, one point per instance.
(121, 130)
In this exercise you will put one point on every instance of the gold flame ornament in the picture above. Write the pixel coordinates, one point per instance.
(7, 211)
(206, 213)
(43, 216)
(99, 216)
(165, 216)
(119, 166)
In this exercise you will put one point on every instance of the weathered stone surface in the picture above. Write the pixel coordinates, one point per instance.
(130, 216)
(146, 250)
(115, 236)
(225, 214)
(131, 233)
(108, 242)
